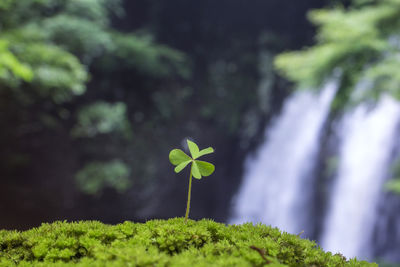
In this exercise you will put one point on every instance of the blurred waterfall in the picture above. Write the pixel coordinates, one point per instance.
(278, 185)
(365, 154)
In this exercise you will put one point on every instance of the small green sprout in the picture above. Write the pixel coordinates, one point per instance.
(198, 169)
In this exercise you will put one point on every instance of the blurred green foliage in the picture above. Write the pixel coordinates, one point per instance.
(50, 51)
(10, 65)
(101, 118)
(57, 74)
(394, 184)
(97, 175)
(360, 42)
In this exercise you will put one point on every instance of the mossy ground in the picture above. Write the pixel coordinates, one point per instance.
(161, 243)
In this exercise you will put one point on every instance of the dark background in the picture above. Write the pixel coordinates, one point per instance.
(194, 70)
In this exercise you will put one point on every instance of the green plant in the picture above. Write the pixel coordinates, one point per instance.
(358, 41)
(162, 243)
(198, 169)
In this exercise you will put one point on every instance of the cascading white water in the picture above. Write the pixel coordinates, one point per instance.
(367, 141)
(276, 183)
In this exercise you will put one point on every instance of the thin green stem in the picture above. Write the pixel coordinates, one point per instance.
(188, 200)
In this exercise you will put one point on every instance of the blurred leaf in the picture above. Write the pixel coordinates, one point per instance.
(85, 38)
(361, 42)
(96, 175)
(149, 58)
(393, 186)
(102, 118)
(8, 62)
(92, 10)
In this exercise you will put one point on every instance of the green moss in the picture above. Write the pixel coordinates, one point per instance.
(162, 243)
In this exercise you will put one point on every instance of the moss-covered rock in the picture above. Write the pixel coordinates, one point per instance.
(162, 243)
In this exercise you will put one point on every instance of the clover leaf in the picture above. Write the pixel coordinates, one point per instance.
(198, 168)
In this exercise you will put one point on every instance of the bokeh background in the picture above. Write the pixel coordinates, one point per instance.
(298, 98)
